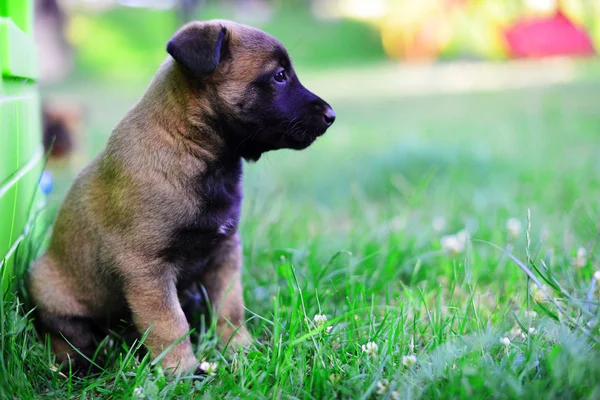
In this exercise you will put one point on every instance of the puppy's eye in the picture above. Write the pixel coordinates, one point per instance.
(280, 77)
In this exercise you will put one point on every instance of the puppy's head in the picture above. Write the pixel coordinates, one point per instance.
(251, 87)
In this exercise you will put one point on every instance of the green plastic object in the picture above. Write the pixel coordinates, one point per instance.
(21, 150)
(20, 12)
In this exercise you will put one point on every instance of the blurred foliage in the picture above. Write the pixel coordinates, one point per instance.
(129, 43)
(428, 29)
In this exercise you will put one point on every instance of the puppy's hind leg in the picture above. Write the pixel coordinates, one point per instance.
(73, 339)
(61, 317)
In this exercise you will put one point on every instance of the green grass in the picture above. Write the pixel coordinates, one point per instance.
(345, 229)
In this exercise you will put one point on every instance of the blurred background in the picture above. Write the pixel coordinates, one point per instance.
(96, 56)
(469, 92)
(120, 40)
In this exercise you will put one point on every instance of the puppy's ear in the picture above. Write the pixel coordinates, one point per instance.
(198, 48)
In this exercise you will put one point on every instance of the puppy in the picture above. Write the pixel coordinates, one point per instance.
(156, 214)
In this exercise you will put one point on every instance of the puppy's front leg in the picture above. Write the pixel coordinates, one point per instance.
(223, 284)
(153, 302)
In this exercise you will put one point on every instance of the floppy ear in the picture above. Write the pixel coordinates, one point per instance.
(197, 48)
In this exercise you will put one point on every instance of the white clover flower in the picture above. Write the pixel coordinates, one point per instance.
(138, 393)
(597, 276)
(382, 386)
(439, 224)
(530, 331)
(209, 368)
(506, 343)
(409, 361)
(320, 320)
(514, 228)
(370, 348)
(455, 244)
(531, 313)
(581, 259)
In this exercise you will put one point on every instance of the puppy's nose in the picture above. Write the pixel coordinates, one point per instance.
(328, 116)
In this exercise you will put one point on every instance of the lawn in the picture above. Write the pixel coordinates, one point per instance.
(358, 280)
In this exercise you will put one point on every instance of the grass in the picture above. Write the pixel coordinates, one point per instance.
(346, 230)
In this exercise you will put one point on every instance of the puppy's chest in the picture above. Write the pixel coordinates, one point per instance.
(213, 218)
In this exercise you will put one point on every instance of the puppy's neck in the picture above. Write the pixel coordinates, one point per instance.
(184, 114)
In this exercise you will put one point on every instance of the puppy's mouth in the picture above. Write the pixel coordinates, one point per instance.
(303, 136)
(303, 139)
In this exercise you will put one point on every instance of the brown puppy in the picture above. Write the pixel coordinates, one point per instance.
(156, 214)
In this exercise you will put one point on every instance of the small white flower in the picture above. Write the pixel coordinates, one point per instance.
(320, 320)
(514, 228)
(531, 313)
(531, 331)
(506, 343)
(439, 224)
(328, 329)
(597, 276)
(455, 244)
(138, 393)
(209, 368)
(395, 395)
(581, 259)
(382, 386)
(370, 348)
(409, 361)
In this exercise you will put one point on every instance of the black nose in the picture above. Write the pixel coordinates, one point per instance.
(329, 116)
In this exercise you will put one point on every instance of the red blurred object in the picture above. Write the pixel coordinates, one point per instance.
(547, 37)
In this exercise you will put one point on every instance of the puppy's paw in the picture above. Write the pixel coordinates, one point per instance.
(175, 366)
